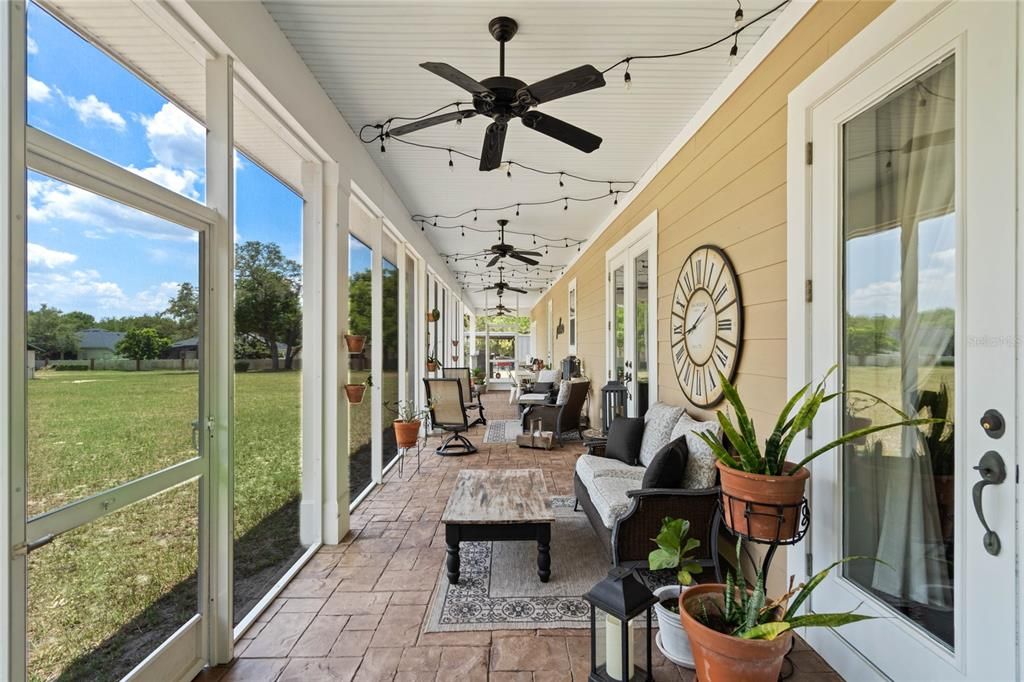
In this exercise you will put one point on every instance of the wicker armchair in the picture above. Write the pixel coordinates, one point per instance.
(561, 419)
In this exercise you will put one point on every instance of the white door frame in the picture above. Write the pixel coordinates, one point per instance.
(643, 237)
(892, 35)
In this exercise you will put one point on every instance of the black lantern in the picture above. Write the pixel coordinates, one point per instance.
(620, 598)
(613, 397)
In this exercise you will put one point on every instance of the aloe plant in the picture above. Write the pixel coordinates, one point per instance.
(748, 455)
(407, 411)
(749, 614)
(672, 550)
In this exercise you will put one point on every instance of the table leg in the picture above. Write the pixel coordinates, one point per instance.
(451, 534)
(544, 552)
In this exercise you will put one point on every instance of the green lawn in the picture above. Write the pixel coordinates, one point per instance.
(102, 596)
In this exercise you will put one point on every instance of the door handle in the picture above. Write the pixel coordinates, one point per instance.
(993, 472)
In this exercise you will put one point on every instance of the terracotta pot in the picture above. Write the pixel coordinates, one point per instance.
(354, 393)
(355, 343)
(406, 433)
(431, 366)
(765, 493)
(719, 657)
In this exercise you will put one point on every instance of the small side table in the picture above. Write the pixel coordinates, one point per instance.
(402, 452)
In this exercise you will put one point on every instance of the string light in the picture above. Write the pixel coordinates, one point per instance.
(616, 202)
(738, 17)
(626, 78)
(508, 169)
(566, 206)
(560, 183)
(734, 50)
(517, 209)
(474, 216)
(451, 164)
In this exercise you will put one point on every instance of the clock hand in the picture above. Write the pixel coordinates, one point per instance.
(696, 322)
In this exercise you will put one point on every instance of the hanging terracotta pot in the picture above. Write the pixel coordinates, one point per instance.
(431, 366)
(406, 433)
(763, 507)
(719, 657)
(355, 343)
(354, 393)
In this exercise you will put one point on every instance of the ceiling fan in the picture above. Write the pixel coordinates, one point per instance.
(502, 97)
(501, 286)
(501, 249)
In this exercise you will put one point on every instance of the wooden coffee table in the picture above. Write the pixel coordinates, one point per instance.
(494, 505)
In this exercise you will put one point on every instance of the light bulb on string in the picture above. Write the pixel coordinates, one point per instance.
(738, 17)
(474, 215)
(517, 210)
(560, 183)
(508, 169)
(616, 202)
(451, 164)
(566, 206)
(734, 50)
(627, 80)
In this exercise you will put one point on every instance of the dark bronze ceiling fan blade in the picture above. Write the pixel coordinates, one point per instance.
(494, 260)
(432, 121)
(562, 131)
(521, 258)
(570, 82)
(494, 144)
(453, 75)
(529, 253)
(518, 291)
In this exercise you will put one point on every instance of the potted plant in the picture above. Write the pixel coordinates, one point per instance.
(432, 363)
(354, 392)
(763, 480)
(407, 421)
(740, 634)
(434, 315)
(673, 548)
(355, 342)
(478, 377)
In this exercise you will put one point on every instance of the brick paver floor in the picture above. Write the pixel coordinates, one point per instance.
(356, 610)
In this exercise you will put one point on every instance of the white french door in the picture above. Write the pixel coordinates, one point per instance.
(632, 315)
(912, 230)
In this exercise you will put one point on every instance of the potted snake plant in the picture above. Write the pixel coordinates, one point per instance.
(757, 484)
(672, 554)
(408, 419)
(741, 634)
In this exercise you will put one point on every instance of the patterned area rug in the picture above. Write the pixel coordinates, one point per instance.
(502, 430)
(499, 589)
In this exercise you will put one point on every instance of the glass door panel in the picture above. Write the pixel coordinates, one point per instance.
(103, 596)
(618, 368)
(360, 316)
(900, 301)
(641, 334)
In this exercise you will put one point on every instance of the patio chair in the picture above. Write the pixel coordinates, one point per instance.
(470, 397)
(563, 418)
(542, 391)
(448, 413)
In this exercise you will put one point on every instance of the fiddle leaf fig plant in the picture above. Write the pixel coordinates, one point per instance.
(748, 455)
(673, 548)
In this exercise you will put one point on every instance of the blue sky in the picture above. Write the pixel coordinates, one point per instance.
(91, 254)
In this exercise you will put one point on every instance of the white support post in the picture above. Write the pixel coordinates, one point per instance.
(13, 581)
(218, 362)
(403, 332)
(334, 464)
(313, 253)
(377, 359)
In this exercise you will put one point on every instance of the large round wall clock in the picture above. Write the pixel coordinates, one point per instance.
(706, 325)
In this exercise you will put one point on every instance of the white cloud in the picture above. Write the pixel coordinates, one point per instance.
(183, 182)
(50, 258)
(32, 46)
(38, 91)
(50, 201)
(93, 109)
(877, 298)
(176, 139)
(88, 290)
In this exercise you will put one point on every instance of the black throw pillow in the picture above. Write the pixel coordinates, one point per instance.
(668, 466)
(624, 438)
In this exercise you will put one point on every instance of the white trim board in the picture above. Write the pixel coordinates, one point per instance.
(780, 28)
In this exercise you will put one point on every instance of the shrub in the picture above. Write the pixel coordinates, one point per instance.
(241, 366)
(72, 368)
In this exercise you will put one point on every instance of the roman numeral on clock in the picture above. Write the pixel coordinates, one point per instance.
(725, 324)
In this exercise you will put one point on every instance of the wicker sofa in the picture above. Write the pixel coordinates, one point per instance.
(626, 516)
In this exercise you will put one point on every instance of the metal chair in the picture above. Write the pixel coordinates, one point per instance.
(448, 413)
(470, 397)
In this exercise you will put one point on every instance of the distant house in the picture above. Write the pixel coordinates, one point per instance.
(186, 349)
(30, 360)
(98, 344)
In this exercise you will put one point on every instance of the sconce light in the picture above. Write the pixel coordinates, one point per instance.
(560, 329)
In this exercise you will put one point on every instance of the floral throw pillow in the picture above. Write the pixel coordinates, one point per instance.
(700, 465)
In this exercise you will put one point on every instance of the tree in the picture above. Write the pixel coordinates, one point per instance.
(164, 326)
(184, 310)
(268, 304)
(52, 331)
(141, 344)
(78, 320)
(870, 335)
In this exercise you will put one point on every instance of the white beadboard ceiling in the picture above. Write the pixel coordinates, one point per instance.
(366, 56)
